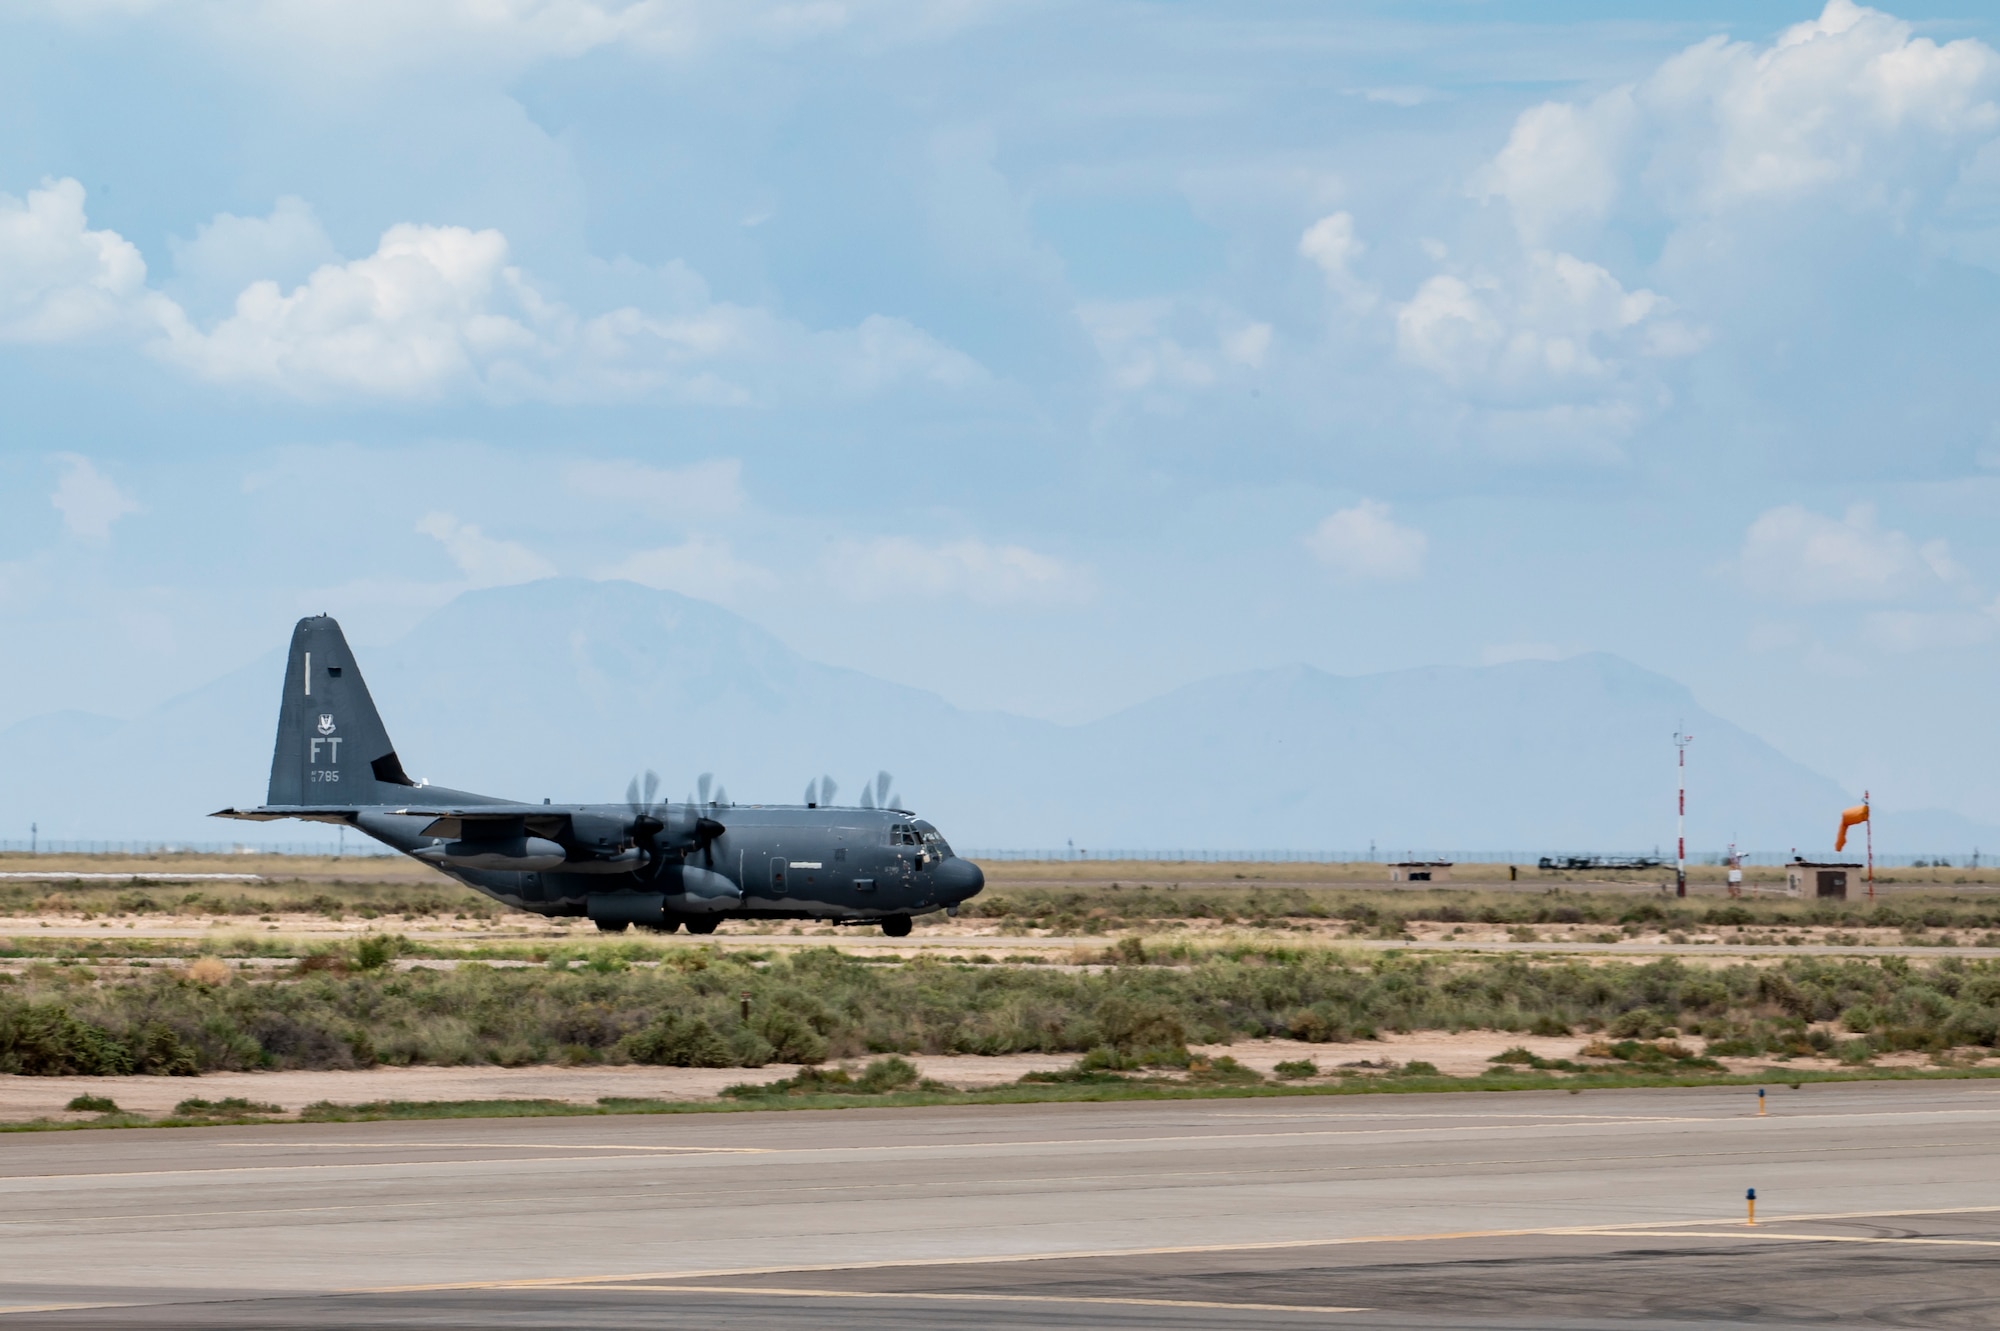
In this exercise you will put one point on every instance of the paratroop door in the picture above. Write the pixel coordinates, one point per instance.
(778, 875)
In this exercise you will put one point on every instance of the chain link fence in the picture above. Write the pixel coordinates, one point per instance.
(358, 846)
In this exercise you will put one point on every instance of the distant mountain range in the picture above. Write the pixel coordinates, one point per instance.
(566, 688)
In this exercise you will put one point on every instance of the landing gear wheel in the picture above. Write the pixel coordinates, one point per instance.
(612, 926)
(704, 925)
(897, 926)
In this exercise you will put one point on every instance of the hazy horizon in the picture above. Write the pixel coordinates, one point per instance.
(567, 688)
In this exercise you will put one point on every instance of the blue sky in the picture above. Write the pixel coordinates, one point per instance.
(1047, 356)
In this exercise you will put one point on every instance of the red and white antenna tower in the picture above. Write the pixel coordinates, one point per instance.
(1680, 827)
(1868, 800)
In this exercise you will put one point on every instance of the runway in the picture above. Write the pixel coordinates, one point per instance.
(1877, 1207)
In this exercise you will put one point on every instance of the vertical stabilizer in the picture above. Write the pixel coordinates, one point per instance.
(332, 747)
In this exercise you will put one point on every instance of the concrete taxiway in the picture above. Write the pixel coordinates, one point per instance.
(1878, 1205)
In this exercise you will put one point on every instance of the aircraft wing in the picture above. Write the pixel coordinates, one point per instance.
(450, 820)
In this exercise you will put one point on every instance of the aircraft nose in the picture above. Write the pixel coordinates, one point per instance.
(960, 878)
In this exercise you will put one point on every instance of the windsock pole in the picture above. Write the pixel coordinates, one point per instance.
(1870, 802)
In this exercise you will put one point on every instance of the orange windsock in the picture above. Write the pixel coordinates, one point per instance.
(1848, 818)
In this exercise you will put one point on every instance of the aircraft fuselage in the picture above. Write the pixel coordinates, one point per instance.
(658, 866)
(782, 862)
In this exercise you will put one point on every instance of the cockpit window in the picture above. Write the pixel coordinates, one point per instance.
(902, 834)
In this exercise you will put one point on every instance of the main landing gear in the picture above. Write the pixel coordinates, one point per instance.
(896, 926)
(702, 924)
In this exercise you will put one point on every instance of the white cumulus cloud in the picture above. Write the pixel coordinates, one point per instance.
(1556, 324)
(992, 574)
(1333, 245)
(230, 253)
(60, 281)
(1793, 554)
(1851, 101)
(485, 561)
(1365, 544)
(434, 312)
(1562, 161)
(435, 307)
(89, 501)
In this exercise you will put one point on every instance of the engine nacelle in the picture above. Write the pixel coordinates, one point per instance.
(520, 854)
(687, 890)
(701, 892)
(685, 826)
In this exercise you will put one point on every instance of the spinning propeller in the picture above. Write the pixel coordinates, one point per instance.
(875, 794)
(648, 819)
(694, 830)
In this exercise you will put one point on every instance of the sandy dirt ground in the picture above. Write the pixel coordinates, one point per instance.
(32, 1097)
(967, 938)
(35, 1097)
(1459, 1054)
(82, 913)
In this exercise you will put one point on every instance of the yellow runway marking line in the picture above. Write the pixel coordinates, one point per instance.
(1636, 1229)
(1852, 1215)
(8, 1309)
(1001, 1259)
(954, 1297)
(1760, 1232)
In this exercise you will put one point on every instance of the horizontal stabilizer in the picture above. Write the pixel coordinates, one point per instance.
(312, 813)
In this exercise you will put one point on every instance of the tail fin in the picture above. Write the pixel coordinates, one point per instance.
(332, 747)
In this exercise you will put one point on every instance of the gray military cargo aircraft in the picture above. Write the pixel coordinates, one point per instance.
(655, 865)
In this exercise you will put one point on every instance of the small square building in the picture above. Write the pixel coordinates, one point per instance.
(1420, 871)
(1811, 878)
